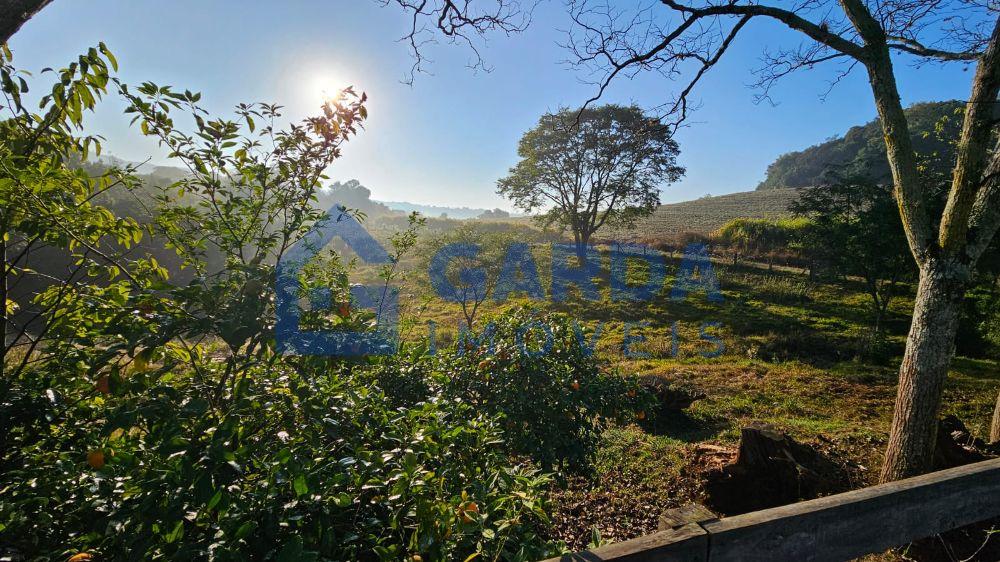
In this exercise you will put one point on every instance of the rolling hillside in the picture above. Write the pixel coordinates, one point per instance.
(934, 127)
(708, 213)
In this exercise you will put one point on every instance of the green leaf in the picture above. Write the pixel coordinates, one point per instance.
(214, 501)
(175, 534)
(245, 530)
(107, 54)
(300, 485)
(294, 551)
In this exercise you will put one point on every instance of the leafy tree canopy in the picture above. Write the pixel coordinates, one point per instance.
(594, 166)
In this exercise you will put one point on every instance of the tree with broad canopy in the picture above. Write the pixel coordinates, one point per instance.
(592, 167)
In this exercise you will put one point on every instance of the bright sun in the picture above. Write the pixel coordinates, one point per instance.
(327, 88)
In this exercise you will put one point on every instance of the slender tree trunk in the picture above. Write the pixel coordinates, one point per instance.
(582, 241)
(995, 426)
(929, 350)
(877, 335)
(931, 341)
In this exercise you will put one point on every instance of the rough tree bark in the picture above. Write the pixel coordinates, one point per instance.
(929, 349)
(946, 267)
(13, 14)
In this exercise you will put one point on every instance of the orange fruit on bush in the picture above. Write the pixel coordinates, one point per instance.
(103, 385)
(465, 509)
(96, 459)
(344, 310)
(641, 414)
(484, 364)
(81, 557)
(575, 385)
(631, 393)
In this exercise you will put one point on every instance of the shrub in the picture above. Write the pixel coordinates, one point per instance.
(552, 396)
(293, 469)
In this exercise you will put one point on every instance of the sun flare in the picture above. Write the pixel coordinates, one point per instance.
(328, 88)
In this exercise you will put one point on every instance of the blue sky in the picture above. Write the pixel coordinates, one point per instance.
(447, 138)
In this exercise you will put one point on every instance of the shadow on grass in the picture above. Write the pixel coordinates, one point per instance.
(682, 426)
(976, 369)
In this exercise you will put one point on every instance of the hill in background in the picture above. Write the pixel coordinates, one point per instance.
(434, 210)
(933, 128)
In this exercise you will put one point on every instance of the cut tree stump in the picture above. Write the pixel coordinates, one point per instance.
(771, 469)
(956, 446)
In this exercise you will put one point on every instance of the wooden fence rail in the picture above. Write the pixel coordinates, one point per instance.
(833, 528)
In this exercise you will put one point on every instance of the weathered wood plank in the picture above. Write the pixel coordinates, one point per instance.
(851, 524)
(686, 544)
(833, 528)
(687, 513)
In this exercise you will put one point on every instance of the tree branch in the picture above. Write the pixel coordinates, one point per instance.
(817, 32)
(14, 14)
(914, 47)
(972, 147)
(456, 20)
(984, 219)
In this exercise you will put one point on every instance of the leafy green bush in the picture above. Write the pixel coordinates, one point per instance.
(293, 468)
(141, 420)
(535, 371)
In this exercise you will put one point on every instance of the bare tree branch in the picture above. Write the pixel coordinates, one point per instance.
(817, 32)
(460, 21)
(605, 40)
(914, 47)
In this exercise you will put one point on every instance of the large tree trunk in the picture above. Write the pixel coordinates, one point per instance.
(13, 14)
(929, 350)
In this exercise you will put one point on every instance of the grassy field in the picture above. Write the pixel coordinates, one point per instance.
(707, 214)
(796, 355)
